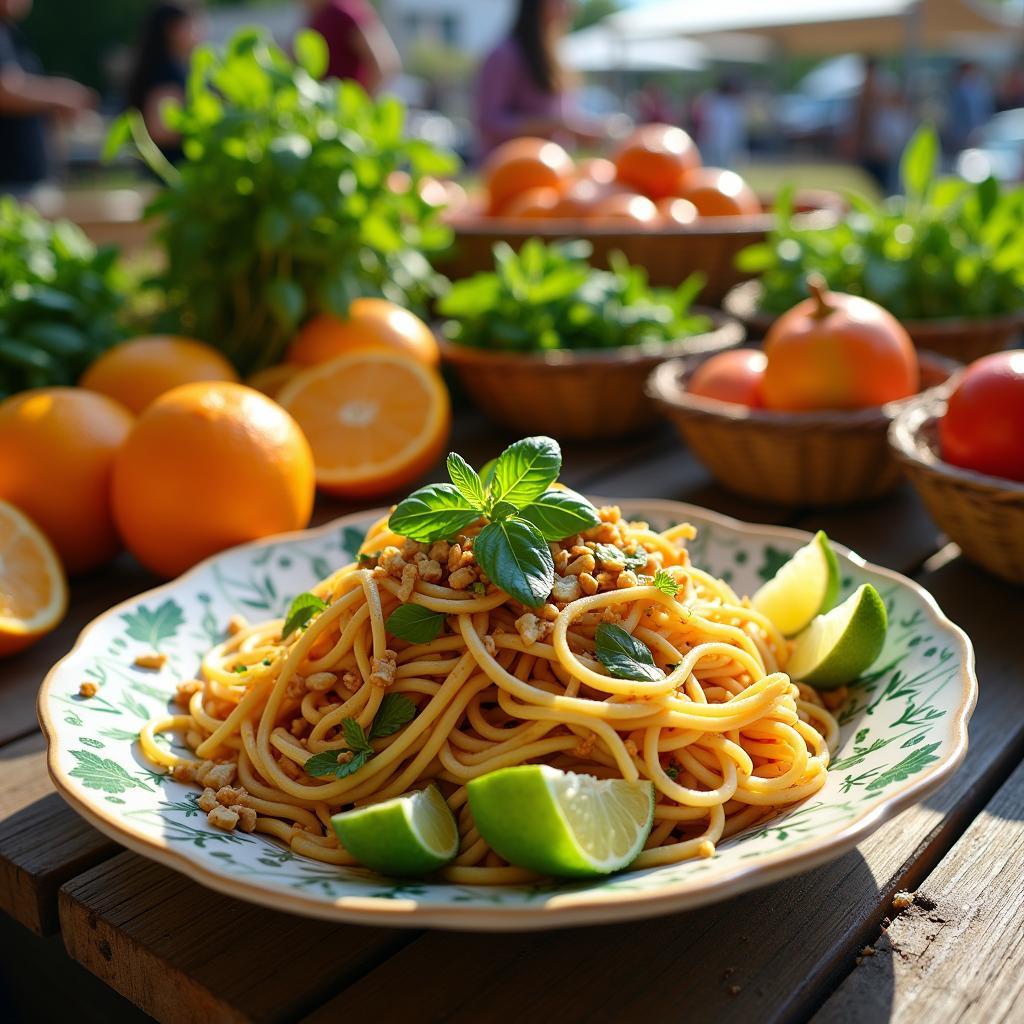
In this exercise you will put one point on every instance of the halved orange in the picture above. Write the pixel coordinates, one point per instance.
(375, 421)
(33, 590)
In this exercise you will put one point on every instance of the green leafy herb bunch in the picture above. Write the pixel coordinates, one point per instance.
(282, 206)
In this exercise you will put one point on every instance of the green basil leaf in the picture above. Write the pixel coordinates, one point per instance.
(325, 764)
(300, 611)
(611, 553)
(526, 469)
(624, 656)
(433, 513)
(665, 583)
(287, 302)
(355, 737)
(395, 711)
(414, 623)
(487, 471)
(517, 559)
(311, 52)
(560, 514)
(502, 510)
(465, 478)
(919, 162)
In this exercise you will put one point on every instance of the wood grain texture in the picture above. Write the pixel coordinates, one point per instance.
(183, 953)
(956, 953)
(43, 842)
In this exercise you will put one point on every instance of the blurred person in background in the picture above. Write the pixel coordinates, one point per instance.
(170, 32)
(28, 99)
(358, 44)
(722, 124)
(861, 142)
(971, 104)
(522, 88)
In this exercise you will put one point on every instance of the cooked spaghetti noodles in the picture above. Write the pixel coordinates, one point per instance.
(725, 736)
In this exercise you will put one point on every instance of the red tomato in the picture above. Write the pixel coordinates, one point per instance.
(733, 376)
(983, 428)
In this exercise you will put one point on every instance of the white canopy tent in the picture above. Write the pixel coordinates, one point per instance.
(822, 26)
(601, 49)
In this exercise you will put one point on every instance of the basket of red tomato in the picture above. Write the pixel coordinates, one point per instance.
(964, 453)
(650, 199)
(804, 420)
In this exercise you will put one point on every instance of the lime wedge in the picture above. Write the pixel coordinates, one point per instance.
(807, 585)
(407, 835)
(561, 823)
(841, 646)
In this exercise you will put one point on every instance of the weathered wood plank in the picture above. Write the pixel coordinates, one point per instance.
(183, 953)
(43, 842)
(955, 954)
(770, 955)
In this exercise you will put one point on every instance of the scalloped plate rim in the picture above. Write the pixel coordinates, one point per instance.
(602, 907)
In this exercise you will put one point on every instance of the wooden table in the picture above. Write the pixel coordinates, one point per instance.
(830, 944)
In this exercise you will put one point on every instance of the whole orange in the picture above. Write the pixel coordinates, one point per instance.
(656, 159)
(57, 448)
(676, 211)
(581, 197)
(718, 193)
(632, 210)
(521, 164)
(207, 466)
(596, 169)
(372, 324)
(137, 371)
(836, 351)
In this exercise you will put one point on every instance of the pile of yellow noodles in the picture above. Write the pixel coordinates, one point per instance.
(726, 737)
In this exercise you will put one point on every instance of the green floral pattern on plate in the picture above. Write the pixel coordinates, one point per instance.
(903, 724)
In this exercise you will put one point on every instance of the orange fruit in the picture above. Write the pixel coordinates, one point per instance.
(137, 371)
(580, 198)
(637, 211)
(207, 466)
(718, 193)
(33, 591)
(521, 164)
(271, 379)
(837, 351)
(372, 324)
(534, 203)
(57, 448)
(656, 159)
(677, 212)
(734, 376)
(596, 169)
(376, 421)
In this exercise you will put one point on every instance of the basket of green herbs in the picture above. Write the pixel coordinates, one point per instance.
(59, 300)
(282, 207)
(547, 343)
(946, 258)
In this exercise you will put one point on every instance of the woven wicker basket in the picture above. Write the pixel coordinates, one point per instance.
(811, 458)
(578, 394)
(984, 515)
(669, 254)
(960, 339)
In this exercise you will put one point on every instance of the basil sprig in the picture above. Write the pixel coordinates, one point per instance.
(395, 711)
(624, 656)
(301, 610)
(415, 623)
(523, 513)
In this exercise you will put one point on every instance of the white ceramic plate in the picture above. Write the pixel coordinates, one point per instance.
(903, 732)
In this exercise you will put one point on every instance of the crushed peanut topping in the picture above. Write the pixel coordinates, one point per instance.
(383, 669)
(88, 689)
(153, 661)
(236, 624)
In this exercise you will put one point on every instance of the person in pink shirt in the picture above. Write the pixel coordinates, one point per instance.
(521, 88)
(358, 44)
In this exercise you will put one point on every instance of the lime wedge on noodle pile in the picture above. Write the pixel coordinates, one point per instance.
(408, 835)
(807, 585)
(562, 823)
(841, 646)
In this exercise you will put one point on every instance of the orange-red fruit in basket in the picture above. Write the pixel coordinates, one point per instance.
(632, 210)
(735, 376)
(521, 164)
(533, 204)
(676, 211)
(138, 371)
(596, 169)
(718, 193)
(656, 160)
(371, 323)
(207, 466)
(57, 449)
(983, 428)
(836, 351)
